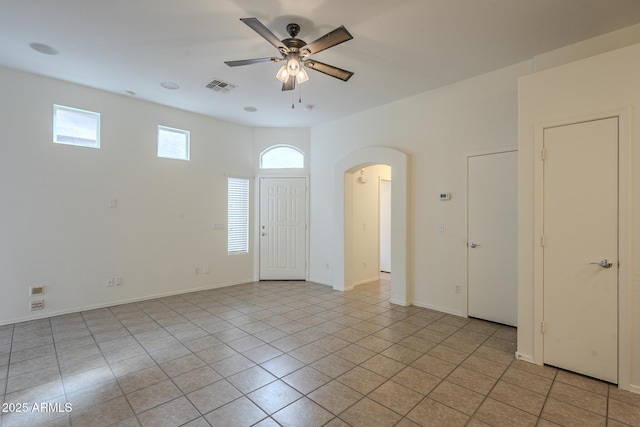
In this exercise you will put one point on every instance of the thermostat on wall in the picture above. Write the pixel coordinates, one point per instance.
(445, 196)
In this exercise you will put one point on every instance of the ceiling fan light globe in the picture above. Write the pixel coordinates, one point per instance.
(293, 67)
(302, 76)
(283, 74)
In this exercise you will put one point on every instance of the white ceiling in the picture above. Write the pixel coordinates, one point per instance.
(400, 47)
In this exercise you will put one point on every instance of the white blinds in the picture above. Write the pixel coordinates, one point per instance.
(238, 215)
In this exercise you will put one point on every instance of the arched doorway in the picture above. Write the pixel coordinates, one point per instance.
(401, 292)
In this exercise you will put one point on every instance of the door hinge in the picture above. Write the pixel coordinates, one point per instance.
(542, 154)
(542, 241)
(543, 327)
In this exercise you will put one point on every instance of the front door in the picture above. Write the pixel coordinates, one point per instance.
(283, 234)
(580, 247)
(492, 222)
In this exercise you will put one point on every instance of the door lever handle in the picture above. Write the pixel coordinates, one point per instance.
(472, 245)
(263, 234)
(605, 263)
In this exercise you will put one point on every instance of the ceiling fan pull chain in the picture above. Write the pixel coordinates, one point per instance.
(293, 104)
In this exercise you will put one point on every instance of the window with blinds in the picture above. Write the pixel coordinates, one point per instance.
(238, 215)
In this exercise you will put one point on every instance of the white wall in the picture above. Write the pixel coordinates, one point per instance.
(435, 129)
(56, 229)
(594, 87)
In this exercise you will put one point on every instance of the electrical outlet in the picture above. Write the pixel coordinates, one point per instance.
(117, 280)
(441, 229)
(109, 281)
(205, 269)
(37, 305)
(196, 271)
(36, 290)
(457, 290)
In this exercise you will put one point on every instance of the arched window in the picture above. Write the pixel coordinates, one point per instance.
(282, 157)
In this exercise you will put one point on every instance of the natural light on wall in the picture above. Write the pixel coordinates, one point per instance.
(281, 157)
(72, 126)
(173, 143)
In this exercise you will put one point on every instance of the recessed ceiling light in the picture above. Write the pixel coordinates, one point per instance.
(169, 85)
(308, 107)
(250, 109)
(43, 48)
(129, 93)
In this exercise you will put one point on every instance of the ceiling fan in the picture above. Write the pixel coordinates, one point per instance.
(296, 53)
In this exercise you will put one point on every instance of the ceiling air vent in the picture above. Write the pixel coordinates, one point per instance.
(221, 86)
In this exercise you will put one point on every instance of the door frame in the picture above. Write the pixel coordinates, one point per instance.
(401, 290)
(506, 149)
(624, 239)
(256, 228)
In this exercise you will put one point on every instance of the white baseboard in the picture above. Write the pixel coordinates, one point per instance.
(441, 309)
(525, 357)
(399, 302)
(634, 388)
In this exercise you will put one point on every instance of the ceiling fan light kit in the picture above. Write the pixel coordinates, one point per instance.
(296, 52)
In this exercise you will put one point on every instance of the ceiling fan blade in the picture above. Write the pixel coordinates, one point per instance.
(250, 61)
(290, 84)
(329, 70)
(259, 28)
(332, 38)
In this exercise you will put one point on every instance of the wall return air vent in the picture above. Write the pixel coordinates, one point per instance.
(221, 86)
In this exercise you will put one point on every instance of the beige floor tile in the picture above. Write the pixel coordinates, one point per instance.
(624, 412)
(434, 366)
(568, 415)
(196, 379)
(498, 414)
(335, 397)
(176, 412)
(141, 379)
(417, 380)
(273, 397)
(449, 354)
(232, 365)
(303, 412)
(251, 379)
(472, 380)
(333, 365)
(396, 397)
(367, 413)
(383, 365)
(213, 396)
(283, 365)
(434, 414)
(518, 397)
(583, 382)
(237, 413)
(179, 366)
(579, 397)
(361, 380)
(527, 380)
(484, 366)
(456, 397)
(262, 353)
(306, 380)
(152, 396)
(103, 414)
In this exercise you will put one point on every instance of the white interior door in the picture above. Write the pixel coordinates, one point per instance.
(385, 225)
(492, 221)
(580, 230)
(283, 235)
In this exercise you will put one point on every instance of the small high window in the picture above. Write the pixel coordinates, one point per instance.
(72, 126)
(282, 157)
(173, 143)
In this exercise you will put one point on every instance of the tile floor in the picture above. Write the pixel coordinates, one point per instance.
(291, 354)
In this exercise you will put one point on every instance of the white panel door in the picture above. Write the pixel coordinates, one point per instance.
(385, 225)
(580, 231)
(492, 203)
(283, 217)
